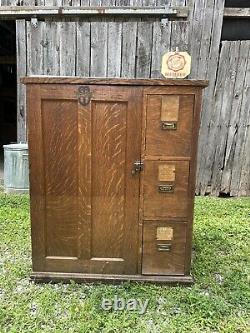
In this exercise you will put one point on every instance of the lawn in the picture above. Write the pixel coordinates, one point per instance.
(219, 301)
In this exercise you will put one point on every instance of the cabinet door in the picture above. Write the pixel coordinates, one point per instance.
(83, 141)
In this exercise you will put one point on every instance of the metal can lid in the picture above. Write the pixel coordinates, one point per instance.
(16, 146)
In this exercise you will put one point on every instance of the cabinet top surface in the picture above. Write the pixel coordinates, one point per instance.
(112, 81)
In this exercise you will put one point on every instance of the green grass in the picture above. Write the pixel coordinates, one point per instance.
(219, 301)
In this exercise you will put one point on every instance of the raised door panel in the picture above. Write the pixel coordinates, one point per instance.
(169, 124)
(115, 145)
(84, 199)
(54, 145)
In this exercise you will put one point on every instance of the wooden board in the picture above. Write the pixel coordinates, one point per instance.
(113, 81)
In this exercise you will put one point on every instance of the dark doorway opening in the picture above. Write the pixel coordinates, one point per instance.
(8, 86)
(237, 3)
(236, 29)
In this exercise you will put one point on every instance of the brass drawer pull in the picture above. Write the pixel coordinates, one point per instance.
(166, 188)
(164, 247)
(167, 125)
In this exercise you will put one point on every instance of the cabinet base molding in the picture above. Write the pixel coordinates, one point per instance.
(41, 277)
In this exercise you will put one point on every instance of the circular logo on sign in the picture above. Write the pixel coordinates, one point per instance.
(176, 62)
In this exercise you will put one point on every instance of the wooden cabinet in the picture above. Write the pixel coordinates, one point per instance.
(112, 171)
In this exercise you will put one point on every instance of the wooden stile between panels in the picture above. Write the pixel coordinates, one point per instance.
(116, 163)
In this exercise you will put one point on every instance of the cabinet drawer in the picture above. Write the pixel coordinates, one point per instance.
(165, 189)
(169, 125)
(164, 248)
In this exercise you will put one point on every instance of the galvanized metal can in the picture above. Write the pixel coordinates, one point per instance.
(16, 168)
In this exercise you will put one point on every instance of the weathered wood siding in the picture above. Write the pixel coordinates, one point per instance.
(205, 37)
(133, 47)
(97, 47)
(223, 156)
(226, 154)
(93, 2)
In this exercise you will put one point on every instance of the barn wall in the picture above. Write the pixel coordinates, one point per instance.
(223, 152)
(92, 2)
(97, 47)
(226, 155)
(205, 38)
(120, 47)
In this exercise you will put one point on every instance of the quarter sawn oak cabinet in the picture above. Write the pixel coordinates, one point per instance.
(112, 173)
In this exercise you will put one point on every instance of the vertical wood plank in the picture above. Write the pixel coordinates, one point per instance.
(179, 36)
(98, 36)
(240, 172)
(114, 48)
(212, 131)
(52, 49)
(144, 49)
(210, 12)
(223, 109)
(244, 187)
(35, 47)
(160, 45)
(83, 48)
(196, 17)
(231, 161)
(67, 47)
(129, 35)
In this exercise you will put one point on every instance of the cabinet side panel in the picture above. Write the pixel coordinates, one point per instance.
(37, 202)
(193, 166)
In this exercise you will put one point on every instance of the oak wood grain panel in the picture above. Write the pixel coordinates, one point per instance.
(84, 167)
(112, 81)
(173, 204)
(85, 202)
(161, 262)
(60, 138)
(108, 177)
(169, 142)
(169, 90)
(37, 193)
(116, 123)
(131, 239)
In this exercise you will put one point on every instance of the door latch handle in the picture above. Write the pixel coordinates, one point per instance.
(137, 167)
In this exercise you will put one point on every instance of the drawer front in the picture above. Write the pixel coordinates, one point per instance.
(163, 248)
(169, 125)
(165, 189)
